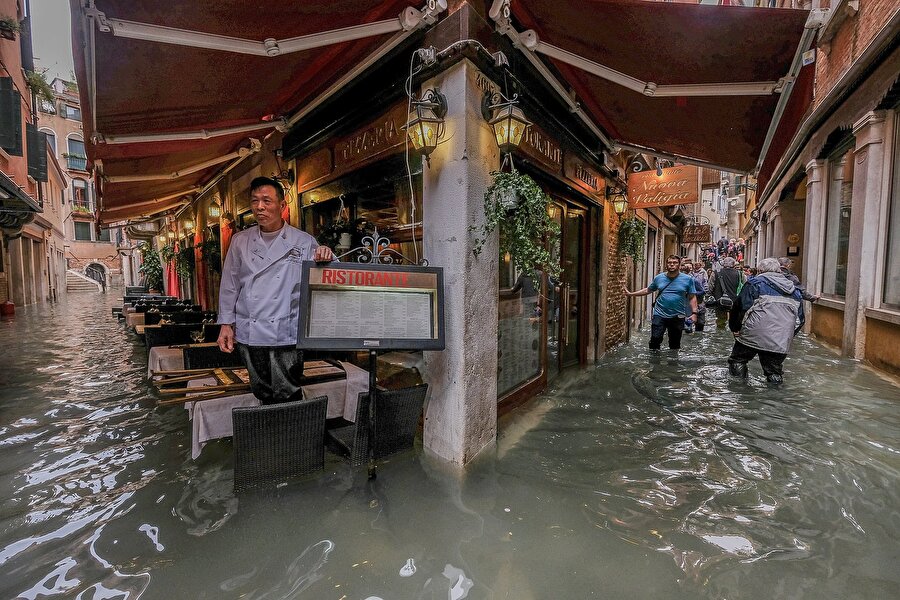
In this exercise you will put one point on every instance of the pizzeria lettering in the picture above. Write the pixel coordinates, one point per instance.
(365, 278)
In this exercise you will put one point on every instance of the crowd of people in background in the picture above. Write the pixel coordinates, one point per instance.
(762, 306)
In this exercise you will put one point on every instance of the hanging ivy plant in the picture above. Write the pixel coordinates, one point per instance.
(184, 262)
(167, 252)
(150, 267)
(516, 206)
(211, 254)
(631, 237)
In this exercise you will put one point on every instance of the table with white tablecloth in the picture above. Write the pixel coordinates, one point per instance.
(211, 419)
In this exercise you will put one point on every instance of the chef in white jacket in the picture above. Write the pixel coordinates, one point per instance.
(259, 295)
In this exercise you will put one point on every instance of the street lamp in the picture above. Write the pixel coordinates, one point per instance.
(506, 120)
(618, 198)
(425, 125)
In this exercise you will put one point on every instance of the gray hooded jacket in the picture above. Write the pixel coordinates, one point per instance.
(768, 313)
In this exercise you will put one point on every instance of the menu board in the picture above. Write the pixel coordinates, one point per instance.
(352, 306)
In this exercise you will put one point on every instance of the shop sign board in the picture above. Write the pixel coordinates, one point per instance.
(696, 234)
(538, 145)
(360, 306)
(583, 176)
(676, 185)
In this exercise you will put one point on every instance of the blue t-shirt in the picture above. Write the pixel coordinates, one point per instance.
(674, 300)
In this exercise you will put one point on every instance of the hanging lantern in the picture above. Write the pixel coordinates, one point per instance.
(214, 211)
(425, 125)
(507, 120)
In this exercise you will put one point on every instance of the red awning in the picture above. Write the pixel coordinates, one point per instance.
(662, 76)
(148, 70)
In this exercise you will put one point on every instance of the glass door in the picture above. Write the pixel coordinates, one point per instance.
(564, 314)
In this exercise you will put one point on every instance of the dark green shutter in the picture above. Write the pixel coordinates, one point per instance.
(36, 142)
(10, 114)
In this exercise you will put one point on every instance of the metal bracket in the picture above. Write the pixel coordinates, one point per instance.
(376, 250)
(98, 16)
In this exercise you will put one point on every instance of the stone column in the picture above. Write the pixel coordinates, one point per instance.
(776, 242)
(814, 227)
(16, 271)
(762, 236)
(865, 215)
(461, 418)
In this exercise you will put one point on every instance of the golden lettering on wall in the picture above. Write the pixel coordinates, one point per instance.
(542, 147)
(378, 137)
(582, 175)
(676, 185)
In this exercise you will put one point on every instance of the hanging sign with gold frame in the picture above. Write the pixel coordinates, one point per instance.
(676, 185)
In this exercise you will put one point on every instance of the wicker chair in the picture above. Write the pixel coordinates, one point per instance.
(204, 357)
(278, 441)
(397, 415)
(169, 334)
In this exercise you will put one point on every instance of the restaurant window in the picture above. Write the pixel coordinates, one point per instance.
(891, 294)
(372, 197)
(518, 327)
(837, 220)
(83, 231)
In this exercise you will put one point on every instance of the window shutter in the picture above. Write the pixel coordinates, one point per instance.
(37, 152)
(10, 117)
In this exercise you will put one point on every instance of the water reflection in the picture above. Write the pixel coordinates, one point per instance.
(646, 476)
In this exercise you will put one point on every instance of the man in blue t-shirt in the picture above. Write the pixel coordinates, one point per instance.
(676, 301)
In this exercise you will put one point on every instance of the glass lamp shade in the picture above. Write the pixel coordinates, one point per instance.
(214, 211)
(161, 238)
(509, 125)
(424, 128)
(620, 204)
(189, 225)
(171, 234)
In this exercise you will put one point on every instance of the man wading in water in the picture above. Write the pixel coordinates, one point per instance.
(676, 302)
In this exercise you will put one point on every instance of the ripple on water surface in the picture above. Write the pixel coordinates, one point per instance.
(644, 476)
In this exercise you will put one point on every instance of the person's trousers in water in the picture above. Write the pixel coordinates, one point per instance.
(659, 326)
(772, 362)
(721, 318)
(270, 369)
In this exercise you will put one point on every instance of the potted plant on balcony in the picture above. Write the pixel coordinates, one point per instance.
(9, 27)
(515, 205)
(37, 81)
(150, 268)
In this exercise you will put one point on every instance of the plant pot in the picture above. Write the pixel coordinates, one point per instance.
(507, 199)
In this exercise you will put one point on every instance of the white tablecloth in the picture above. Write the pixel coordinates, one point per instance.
(164, 358)
(211, 419)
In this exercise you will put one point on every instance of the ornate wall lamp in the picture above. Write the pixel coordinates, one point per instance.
(425, 125)
(506, 119)
(214, 210)
(618, 198)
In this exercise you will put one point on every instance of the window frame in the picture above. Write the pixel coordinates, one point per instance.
(842, 149)
(891, 210)
(90, 227)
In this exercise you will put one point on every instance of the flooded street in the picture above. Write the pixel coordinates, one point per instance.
(641, 477)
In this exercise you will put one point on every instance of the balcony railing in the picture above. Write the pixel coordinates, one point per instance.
(80, 207)
(76, 163)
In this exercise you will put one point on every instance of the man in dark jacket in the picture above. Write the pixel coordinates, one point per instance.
(766, 317)
(723, 287)
(786, 264)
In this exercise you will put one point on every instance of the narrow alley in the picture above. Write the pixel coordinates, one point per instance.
(640, 477)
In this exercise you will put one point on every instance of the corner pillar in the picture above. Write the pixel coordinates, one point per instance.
(461, 418)
(868, 173)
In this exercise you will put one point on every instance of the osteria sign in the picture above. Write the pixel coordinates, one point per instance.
(676, 185)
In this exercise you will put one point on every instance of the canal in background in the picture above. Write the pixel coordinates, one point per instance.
(641, 477)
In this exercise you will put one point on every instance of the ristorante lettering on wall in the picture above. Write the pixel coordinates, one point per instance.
(676, 185)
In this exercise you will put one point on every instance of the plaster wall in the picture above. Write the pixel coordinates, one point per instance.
(461, 415)
(883, 345)
(827, 324)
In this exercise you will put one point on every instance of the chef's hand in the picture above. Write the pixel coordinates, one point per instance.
(226, 338)
(323, 254)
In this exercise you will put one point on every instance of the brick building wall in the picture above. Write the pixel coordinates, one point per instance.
(616, 302)
(850, 40)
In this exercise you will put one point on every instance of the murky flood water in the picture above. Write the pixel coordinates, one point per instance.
(642, 477)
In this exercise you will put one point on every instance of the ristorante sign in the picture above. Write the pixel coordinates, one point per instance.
(676, 185)
(352, 306)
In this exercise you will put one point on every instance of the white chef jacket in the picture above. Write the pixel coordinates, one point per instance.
(260, 289)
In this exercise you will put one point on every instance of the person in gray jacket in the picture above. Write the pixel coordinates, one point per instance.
(766, 316)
